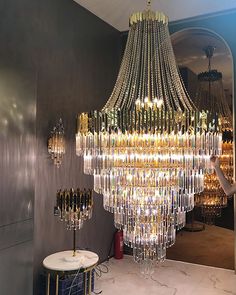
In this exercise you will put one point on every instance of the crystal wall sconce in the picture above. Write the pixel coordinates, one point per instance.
(56, 143)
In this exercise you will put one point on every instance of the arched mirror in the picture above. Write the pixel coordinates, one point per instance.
(205, 63)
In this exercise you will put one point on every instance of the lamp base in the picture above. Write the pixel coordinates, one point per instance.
(74, 259)
(76, 256)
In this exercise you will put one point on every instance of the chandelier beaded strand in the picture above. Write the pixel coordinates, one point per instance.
(149, 147)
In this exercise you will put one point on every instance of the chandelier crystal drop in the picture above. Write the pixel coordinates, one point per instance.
(149, 147)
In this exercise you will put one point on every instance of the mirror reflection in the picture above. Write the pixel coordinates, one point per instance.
(205, 64)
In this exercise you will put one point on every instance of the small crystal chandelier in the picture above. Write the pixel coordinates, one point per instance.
(74, 207)
(149, 147)
(56, 143)
(211, 96)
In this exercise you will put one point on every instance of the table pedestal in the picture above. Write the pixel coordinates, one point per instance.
(62, 263)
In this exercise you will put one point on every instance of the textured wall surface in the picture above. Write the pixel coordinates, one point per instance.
(56, 60)
(17, 162)
(79, 60)
(17, 149)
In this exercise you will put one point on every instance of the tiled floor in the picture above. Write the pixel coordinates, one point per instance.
(169, 278)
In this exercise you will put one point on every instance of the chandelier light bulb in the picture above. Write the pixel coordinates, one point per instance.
(159, 103)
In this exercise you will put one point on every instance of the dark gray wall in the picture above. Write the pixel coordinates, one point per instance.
(17, 162)
(56, 60)
(17, 149)
(77, 71)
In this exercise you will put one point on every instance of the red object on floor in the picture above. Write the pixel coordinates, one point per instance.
(119, 244)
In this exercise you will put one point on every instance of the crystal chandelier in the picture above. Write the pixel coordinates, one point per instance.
(149, 147)
(211, 96)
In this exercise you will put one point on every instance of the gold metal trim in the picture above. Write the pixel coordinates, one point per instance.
(57, 284)
(48, 284)
(148, 15)
(60, 273)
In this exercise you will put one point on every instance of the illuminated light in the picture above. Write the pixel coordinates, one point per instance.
(4, 121)
(159, 103)
(20, 117)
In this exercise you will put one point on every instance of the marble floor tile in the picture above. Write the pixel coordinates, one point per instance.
(170, 278)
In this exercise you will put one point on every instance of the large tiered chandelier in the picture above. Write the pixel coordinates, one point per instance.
(149, 147)
(211, 95)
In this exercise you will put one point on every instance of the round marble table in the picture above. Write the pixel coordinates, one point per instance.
(64, 262)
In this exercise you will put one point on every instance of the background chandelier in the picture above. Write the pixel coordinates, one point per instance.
(211, 96)
(148, 147)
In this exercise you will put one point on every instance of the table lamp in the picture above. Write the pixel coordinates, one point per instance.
(74, 207)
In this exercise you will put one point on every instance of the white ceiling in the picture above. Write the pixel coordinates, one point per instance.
(117, 12)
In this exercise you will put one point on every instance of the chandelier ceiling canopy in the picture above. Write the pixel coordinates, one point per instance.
(149, 147)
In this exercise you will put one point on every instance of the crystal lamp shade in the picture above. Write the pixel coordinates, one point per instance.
(149, 147)
(74, 207)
